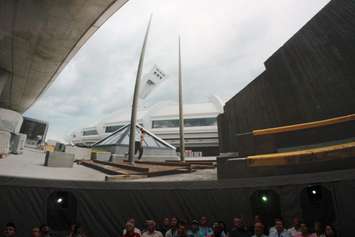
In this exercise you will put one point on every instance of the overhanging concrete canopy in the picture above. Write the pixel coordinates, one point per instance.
(38, 38)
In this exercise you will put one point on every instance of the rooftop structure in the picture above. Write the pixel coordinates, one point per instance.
(162, 119)
(154, 147)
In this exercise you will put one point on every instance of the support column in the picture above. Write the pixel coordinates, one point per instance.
(4, 78)
(132, 134)
(181, 112)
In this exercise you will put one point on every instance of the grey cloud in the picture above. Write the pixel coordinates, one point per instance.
(224, 45)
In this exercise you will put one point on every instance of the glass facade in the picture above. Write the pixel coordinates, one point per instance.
(112, 128)
(33, 129)
(90, 132)
(121, 137)
(191, 122)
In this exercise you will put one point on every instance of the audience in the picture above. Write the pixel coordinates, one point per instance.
(76, 231)
(45, 230)
(10, 230)
(329, 231)
(172, 232)
(135, 229)
(304, 231)
(218, 230)
(36, 232)
(151, 230)
(238, 229)
(280, 231)
(295, 229)
(259, 230)
(181, 230)
(318, 229)
(165, 226)
(194, 229)
(130, 230)
(204, 229)
(175, 228)
(223, 227)
(273, 228)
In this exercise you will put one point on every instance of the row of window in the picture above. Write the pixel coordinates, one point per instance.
(112, 128)
(191, 122)
(90, 132)
(170, 123)
(158, 75)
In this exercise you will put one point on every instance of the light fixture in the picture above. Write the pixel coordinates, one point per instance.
(264, 198)
(314, 192)
(59, 200)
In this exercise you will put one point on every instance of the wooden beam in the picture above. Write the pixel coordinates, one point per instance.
(301, 126)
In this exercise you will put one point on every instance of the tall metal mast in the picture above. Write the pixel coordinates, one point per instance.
(181, 111)
(135, 98)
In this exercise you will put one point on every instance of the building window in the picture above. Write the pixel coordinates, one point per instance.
(113, 128)
(90, 132)
(192, 122)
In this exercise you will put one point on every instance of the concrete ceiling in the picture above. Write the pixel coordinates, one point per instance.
(38, 38)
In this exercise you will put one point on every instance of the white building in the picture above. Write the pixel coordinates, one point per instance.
(201, 134)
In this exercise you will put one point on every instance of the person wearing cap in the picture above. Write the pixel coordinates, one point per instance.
(10, 230)
(194, 228)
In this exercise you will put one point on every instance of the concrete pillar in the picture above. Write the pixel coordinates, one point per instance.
(4, 77)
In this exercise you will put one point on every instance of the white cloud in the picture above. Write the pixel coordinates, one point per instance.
(224, 45)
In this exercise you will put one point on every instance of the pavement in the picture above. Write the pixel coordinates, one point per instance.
(30, 165)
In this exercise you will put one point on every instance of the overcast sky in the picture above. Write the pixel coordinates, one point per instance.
(224, 45)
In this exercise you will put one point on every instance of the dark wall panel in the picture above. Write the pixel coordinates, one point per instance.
(311, 77)
(102, 208)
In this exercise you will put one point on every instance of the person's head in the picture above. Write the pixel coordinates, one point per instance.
(181, 230)
(259, 228)
(296, 222)
(44, 229)
(318, 228)
(151, 225)
(237, 222)
(142, 130)
(77, 229)
(129, 227)
(329, 231)
(72, 228)
(222, 225)
(203, 221)
(166, 221)
(10, 230)
(304, 229)
(216, 227)
(36, 232)
(257, 218)
(194, 225)
(173, 222)
(132, 220)
(279, 225)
